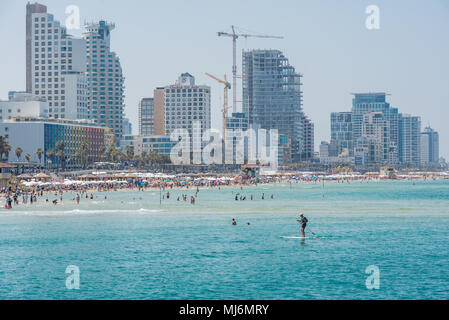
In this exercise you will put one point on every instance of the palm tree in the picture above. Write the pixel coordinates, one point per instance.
(144, 158)
(27, 157)
(129, 152)
(39, 153)
(85, 154)
(60, 153)
(5, 148)
(78, 157)
(50, 154)
(103, 155)
(18, 153)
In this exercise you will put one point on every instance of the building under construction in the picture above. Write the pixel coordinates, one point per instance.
(272, 99)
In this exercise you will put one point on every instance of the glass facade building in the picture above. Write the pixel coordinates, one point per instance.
(146, 117)
(341, 131)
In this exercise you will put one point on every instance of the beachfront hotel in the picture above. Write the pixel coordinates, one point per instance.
(180, 106)
(81, 140)
(55, 65)
(105, 78)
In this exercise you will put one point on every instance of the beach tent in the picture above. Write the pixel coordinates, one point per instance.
(42, 176)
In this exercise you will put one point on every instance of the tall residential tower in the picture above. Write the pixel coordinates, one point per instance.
(429, 147)
(106, 81)
(55, 65)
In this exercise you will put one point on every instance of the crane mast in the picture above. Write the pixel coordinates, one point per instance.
(225, 109)
(234, 37)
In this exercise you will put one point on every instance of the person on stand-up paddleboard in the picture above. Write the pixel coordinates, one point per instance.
(303, 221)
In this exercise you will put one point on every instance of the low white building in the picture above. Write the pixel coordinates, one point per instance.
(158, 143)
(22, 104)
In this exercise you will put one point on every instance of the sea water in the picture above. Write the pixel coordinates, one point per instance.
(129, 246)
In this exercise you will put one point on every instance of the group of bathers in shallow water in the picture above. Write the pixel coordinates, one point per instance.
(302, 220)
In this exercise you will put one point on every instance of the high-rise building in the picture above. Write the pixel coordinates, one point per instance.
(106, 81)
(55, 65)
(409, 140)
(364, 103)
(341, 131)
(186, 103)
(375, 142)
(30, 10)
(159, 111)
(429, 147)
(146, 117)
(183, 105)
(308, 138)
(272, 96)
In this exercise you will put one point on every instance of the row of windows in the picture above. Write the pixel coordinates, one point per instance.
(186, 90)
(36, 29)
(49, 86)
(56, 55)
(63, 61)
(50, 43)
(183, 104)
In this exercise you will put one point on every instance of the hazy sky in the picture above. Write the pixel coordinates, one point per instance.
(325, 40)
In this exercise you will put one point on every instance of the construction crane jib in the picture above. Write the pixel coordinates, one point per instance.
(234, 37)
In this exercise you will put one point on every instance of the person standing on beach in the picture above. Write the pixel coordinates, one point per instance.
(303, 221)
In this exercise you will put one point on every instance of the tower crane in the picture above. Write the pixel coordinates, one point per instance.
(234, 37)
(227, 86)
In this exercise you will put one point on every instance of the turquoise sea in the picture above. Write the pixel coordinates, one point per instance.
(128, 246)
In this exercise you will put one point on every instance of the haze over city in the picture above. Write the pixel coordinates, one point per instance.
(327, 42)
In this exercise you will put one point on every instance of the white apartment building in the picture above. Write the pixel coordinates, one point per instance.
(185, 103)
(56, 65)
(23, 104)
(106, 81)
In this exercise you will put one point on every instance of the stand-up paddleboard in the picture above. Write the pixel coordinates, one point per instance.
(287, 237)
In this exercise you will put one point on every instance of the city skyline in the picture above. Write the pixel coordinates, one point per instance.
(337, 71)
